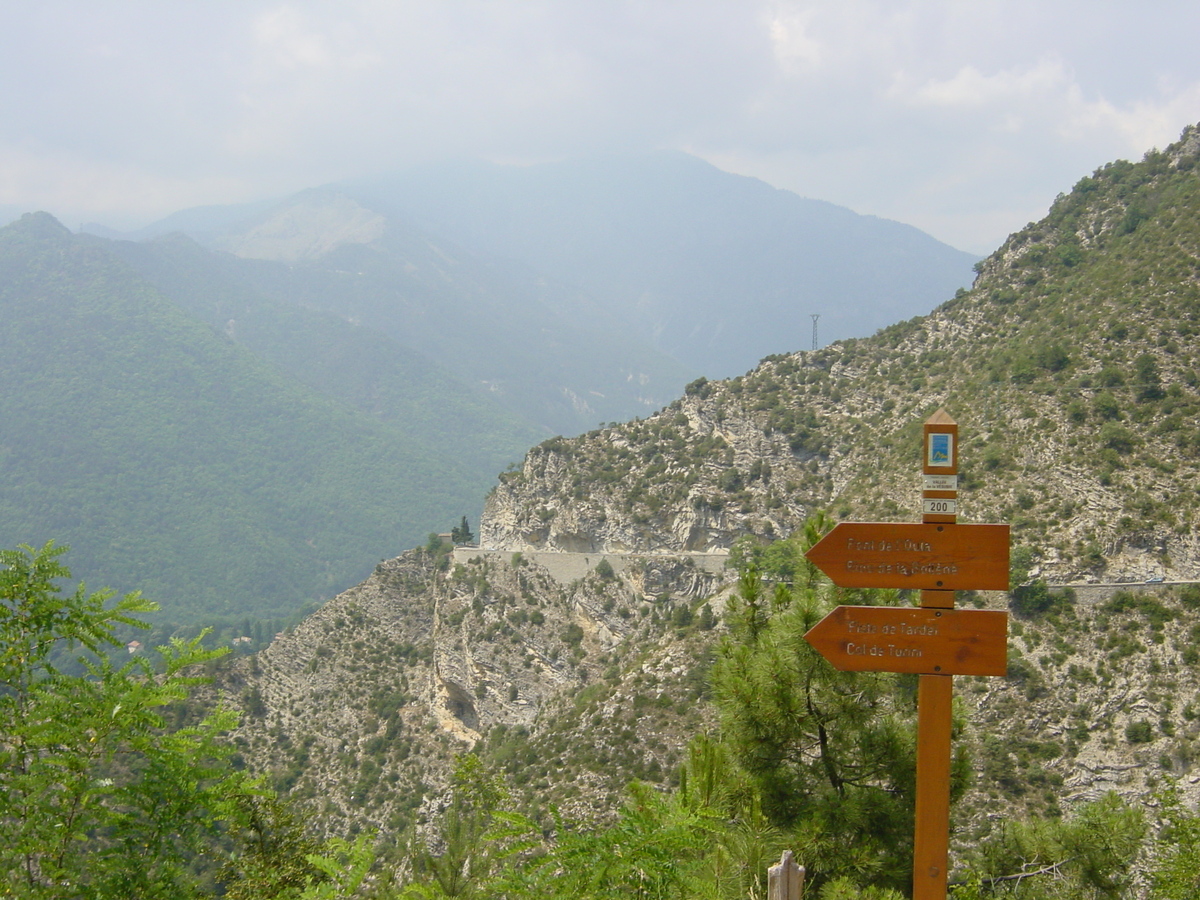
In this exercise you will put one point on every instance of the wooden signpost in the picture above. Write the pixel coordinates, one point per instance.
(937, 556)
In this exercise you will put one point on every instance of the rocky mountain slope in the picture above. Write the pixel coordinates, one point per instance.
(569, 690)
(362, 707)
(1071, 367)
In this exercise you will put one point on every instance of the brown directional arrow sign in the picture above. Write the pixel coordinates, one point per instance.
(921, 641)
(944, 557)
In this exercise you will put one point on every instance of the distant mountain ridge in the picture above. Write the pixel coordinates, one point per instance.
(519, 339)
(712, 269)
(718, 270)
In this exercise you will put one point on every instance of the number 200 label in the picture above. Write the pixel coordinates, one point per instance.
(945, 507)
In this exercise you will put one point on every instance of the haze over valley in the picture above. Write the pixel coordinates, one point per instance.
(449, 395)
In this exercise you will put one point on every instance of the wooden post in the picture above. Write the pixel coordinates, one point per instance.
(785, 879)
(935, 693)
(938, 556)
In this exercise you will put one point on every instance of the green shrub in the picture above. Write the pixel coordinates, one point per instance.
(1117, 437)
(1105, 407)
(1189, 596)
(1139, 732)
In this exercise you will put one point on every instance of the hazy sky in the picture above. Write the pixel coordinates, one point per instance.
(962, 118)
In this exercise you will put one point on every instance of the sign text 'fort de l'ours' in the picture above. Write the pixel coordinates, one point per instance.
(931, 557)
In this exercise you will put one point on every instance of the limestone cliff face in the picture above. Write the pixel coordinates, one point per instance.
(1094, 500)
(691, 478)
(307, 227)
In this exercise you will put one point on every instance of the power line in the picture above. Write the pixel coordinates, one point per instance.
(815, 316)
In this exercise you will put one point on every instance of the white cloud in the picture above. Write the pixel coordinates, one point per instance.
(282, 32)
(794, 47)
(294, 40)
(1047, 96)
(1148, 123)
(942, 113)
(971, 88)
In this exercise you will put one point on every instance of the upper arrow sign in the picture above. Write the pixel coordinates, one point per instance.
(944, 557)
(920, 641)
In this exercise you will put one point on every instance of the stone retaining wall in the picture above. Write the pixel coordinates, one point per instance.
(568, 567)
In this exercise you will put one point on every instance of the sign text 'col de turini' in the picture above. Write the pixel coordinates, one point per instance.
(913, 640)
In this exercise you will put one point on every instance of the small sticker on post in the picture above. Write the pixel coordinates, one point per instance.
(941, 482)
(939, 507)
(941, 449)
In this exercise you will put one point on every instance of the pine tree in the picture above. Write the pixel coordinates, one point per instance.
(831, 753)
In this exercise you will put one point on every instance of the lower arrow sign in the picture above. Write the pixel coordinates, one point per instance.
(920, 641)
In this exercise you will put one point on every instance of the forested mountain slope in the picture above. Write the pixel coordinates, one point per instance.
(356, 365)
(1072, 367)
(513, 337)
(174, 461)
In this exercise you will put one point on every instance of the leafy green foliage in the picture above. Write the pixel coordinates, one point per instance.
(274, 859)
(647, 854)
(97, 796)
(461, 533)
(1139, 732)
(112, 784)
(1177, 870)
(1037, 599)
(465, 861)
(708, 839)
(344, 867)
